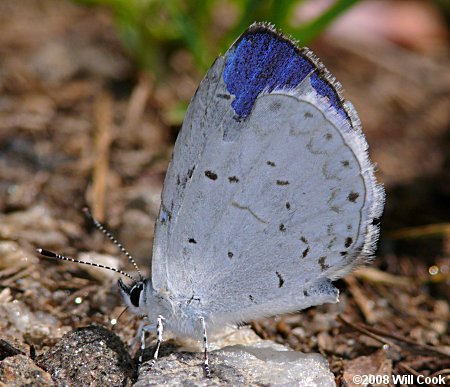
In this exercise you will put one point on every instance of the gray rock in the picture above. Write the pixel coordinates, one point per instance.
(258, 364)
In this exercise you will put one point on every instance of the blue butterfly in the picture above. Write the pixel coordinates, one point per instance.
(270, 195)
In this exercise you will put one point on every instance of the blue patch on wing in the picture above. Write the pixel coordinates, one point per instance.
(326, 90)
(263, 60)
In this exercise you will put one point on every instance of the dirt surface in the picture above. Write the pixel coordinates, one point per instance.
(79, 126)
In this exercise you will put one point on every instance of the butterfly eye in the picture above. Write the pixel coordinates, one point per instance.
(135, 294)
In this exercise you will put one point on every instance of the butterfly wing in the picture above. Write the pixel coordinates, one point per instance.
(270, 194)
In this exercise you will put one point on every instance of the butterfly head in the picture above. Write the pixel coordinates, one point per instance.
(134, 295)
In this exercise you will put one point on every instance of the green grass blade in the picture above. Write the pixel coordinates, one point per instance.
(307, 32)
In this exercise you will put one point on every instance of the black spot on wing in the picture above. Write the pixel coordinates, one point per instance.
(282, 182)
(305, 252)
(230, 254)
(288, 205)
(211, 175)
(192, 240)
(352, 196)
(282, 227)
(280, 280)
(191, 171)
(233, 179)
(348, 242)
(271, 163)
(183, 181)
(193, 298)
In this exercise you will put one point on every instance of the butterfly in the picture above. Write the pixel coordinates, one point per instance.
(270, 195)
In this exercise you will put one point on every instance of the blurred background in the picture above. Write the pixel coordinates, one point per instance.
(92, 96)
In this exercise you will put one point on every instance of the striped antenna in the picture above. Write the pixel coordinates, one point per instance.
(50, 254)
(97, 224)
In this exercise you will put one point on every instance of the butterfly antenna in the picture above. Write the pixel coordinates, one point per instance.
(97, 224)
(50, 254)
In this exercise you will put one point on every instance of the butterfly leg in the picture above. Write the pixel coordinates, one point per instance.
(141, 332)
(159, 339)
(158, 328)
(205, 348)
(144, 326)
